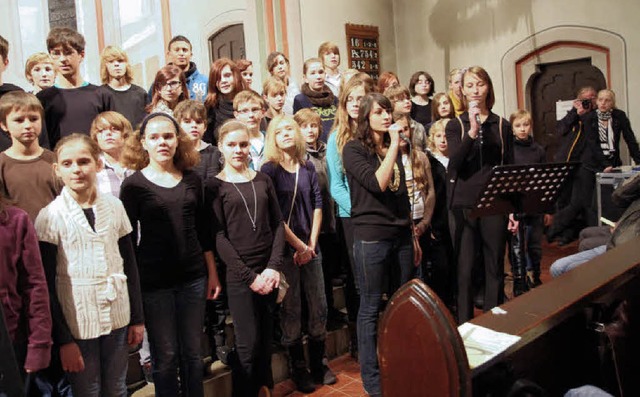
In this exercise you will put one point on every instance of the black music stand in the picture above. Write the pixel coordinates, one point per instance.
(10, 379)
(522, 189)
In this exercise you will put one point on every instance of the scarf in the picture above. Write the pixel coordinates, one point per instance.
(322, 99)
(604, 125)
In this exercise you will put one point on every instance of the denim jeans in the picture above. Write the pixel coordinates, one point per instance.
(174, 318)
(106, 361)
(307, 279)
(373, 261)
(570, 262)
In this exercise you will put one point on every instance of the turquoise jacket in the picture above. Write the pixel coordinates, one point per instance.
(338, 185)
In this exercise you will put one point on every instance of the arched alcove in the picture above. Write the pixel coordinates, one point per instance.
(606, 50)
(228, 42)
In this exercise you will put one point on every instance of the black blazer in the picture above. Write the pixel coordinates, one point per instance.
(593, 158)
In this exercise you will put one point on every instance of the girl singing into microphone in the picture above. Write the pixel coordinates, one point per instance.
(381, 221)
(474, 148)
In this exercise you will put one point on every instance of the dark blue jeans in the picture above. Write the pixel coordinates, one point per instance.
(308, 280)
(105, 366)
(374, 261)
(174, 318)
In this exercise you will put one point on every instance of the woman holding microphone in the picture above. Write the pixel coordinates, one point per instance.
(477, 141)
(381, 222)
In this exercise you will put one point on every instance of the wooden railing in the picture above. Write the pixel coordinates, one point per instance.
(557, 350)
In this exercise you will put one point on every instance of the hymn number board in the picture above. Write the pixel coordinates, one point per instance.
(364, 49)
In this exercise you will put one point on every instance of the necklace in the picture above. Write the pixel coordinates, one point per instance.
(246, 206)
(394, 183)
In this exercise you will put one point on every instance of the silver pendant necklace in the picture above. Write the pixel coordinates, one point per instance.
(246, 206)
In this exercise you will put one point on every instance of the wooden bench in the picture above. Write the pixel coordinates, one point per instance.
(556, 351)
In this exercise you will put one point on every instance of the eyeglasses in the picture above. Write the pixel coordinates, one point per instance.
(172, 85)
(250, 111)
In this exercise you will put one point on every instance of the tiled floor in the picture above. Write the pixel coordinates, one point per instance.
(349, 383)
(348, 370)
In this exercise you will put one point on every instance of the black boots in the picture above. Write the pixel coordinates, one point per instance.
(298, 368)
(533, 278)
(320, 371)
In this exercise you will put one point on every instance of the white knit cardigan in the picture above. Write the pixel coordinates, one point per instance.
(90, 281)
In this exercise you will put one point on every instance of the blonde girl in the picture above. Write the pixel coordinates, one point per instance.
(85, 238)
(296, 185)
(437, 142)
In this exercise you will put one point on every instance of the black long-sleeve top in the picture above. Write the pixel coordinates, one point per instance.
(376, 215)
(466, 175)
(210, 164)
(593, 158)
(246, 252)
(175, 229)
(528, 152)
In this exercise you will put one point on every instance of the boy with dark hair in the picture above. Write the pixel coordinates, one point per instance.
(72, 103)
(117, 78)
(192, 117)
(179, 53)
(5, 139)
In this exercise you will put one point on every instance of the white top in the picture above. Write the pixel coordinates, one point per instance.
(415, 198)
(90, 281)
(292, 91)
(442, 159)
(256, 151)
(333, 82)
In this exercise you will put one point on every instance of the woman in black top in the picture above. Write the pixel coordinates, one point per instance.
(421, 87)
(471, 158)
(250, 241)
(174, 252)
(381, 221)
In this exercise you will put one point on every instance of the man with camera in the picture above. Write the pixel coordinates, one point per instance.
(570, 132)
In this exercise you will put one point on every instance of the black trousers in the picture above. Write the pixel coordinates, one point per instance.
(253, 328)
(488, 236)
(581, 203)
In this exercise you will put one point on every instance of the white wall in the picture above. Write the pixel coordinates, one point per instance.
(324, 20)
(442, 34)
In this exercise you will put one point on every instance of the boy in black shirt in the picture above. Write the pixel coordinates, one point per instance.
(525, 151)
(117, 77)
(72, 103)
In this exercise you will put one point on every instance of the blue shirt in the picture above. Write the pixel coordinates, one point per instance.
(338, 185)
(308, 197)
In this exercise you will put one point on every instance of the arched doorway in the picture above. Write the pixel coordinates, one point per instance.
(228, 42)
(556, 81)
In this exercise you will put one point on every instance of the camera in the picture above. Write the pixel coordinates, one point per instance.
(586, 104)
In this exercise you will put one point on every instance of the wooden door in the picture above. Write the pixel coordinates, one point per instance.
(554, 82)
(228, 42)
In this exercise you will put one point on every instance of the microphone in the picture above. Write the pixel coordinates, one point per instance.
(405, 138)
(474, 104)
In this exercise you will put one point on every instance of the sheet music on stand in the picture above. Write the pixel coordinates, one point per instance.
(527, 188)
